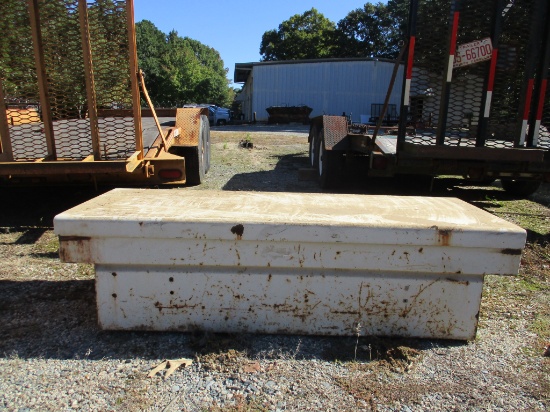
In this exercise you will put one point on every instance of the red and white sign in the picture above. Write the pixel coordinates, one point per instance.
(474, 52)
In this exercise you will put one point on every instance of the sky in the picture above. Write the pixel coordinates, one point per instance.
(233, 28)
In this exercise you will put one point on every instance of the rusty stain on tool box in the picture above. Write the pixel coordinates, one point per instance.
(444, 236)
(238, 230)
(75, 248)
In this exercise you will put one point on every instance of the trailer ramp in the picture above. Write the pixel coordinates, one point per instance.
(70, 96)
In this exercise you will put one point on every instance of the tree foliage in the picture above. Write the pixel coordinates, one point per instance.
(303, 36)
(371, 31)
(180, 70)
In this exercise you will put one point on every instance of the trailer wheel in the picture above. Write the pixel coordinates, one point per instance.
(520, 188)
(312, 159)
(329, 163)
(313, 150)
(205, 135)
(197, 159)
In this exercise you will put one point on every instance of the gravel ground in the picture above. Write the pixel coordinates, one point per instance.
(54, 357)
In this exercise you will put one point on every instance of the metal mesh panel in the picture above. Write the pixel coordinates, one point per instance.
(505, 119)
(467, 85)
(542, 114)
(429, 65)
(335, 130)
(457, 123)
(109, 42)
(60, 26)
(20, 82)
(62, 52)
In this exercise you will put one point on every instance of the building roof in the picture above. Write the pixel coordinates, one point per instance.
(243, 70)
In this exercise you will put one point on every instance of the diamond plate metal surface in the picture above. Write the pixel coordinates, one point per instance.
(336, 130)
(188, 120)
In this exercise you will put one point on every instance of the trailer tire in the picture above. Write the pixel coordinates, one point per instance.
(329, 164)
(197, 159)
(520, 188)
(205, 135)
(313, 149)
(312, 159)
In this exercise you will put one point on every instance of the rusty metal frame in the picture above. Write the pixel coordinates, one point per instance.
(134, 74)
(472, 153)
(161, 144)
(66, 167)
(6, 153)
(89, 78)
(41, 75)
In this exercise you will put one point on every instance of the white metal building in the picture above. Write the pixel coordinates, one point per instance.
(328, 86)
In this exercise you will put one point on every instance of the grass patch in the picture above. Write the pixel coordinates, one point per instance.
(49, 245)
(85, 271)
(541, 326)
(523, 300)
(530, 284)
(531, 216)
(43, 241)
(374, 354)
(242, 404)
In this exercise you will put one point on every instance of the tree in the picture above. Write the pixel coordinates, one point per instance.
(372, 31)
(151, 46)
(212, 85)
(303, 36)
(16, 55)
(180, 70)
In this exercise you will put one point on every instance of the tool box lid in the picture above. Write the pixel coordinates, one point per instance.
(301, 217)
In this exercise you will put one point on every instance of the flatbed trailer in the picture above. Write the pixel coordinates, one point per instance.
(72, 97)
(474, 104)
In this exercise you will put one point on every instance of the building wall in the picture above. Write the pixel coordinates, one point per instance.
(246, 98)
(327, 87)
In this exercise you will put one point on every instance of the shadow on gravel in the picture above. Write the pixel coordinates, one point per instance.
(31, 209)
(57, 320)
(225, 352)
(283, 178)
